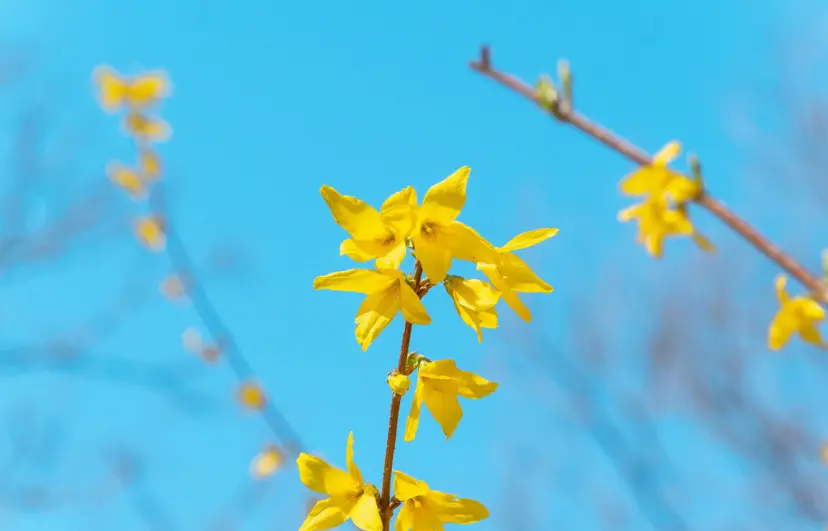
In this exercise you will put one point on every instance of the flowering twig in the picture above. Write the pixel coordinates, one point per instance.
(564, 113)
(386, 510)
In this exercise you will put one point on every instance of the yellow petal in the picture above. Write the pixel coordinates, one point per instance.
(326, 514)
(399, 383)
(148, 88)
(319, 476)
(779, 332)
(508, 295)
(681, 189)
(358, 218)
(375, 313)
(528, 239)
(444, 201)
(810, 334)
(412, 307)
(266, 462)
(704, 244)
(399, 211)
(444, 407)
(251, 396)
(111, 88)
(630, 212)
(667, 154)
(434, 257)
(406, 487)
(353, 470)
(466, 244)
(809, 309)
(779, 284)
(477, 319)
(520, 277)
(473, 386)
(413, 421)
(452, 510)
(365, 281)
(128, 179)
(350, 249)
(645, 180)
(150, 232)
(393, 258)
(472, 293)
(365, 514)
(405, 518)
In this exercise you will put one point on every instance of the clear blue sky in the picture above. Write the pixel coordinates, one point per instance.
(274, 99)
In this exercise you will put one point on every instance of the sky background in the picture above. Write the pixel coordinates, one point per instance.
(272, 100)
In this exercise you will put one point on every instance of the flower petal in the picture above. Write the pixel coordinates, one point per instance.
(434, 257)
(779, 331)
(399, 211)
(473, 386)
(444, 407)
(413, 421)
(358, 218)
(406, 487)
(353, 470)
(393, 258)
(472, 293)
(365, 281)
(528, 239)
(353, 251)
(450, 509)
(375, 313)
(365, 513)
(779, 285)
(667, 154)
(444, 201)
(319, 476)
(325, 514)
(520, 277)
(506, 292)
(412, 307)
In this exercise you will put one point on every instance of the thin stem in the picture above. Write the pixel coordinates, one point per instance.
(565, 114)
(386, 507)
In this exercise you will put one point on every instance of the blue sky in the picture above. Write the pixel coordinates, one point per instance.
(273, 100)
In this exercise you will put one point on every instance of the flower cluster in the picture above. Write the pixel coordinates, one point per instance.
(431, 232)
(139, 97)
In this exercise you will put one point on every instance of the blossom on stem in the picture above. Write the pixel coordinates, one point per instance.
(795, 315)
(128, 179)
(657, 221)
(424, 509)
(657, 179)
(509, 274)
(116, 91)
(150, 232)
(474, 301)
(349, 497)
(387, 293)
(439, 384)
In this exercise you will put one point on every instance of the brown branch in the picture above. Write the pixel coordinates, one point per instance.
(386, 508)
(565, 114)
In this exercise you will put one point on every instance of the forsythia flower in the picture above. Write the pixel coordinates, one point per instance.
(147, 129)
(657, 179)
(251, 396)
(150, 232)
(139, 92)
(128, 179)
(474, 301)
(657, 221)
(374, 235)
(424, 509)
(797, 314)
(438, 236)
(387, 293)
(150, 164)
(348, 494)
(266, 462)
(439, 383)
(399, 383)
(509, 274)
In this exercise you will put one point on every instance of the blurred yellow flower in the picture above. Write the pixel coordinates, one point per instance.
(438, 237)
(658, 221)
(251, 395)
(657, 179)
(424, 509)
(439, 383)
(797, 314)
(147, 129)
(150, 164)
(349, 497)
(374, 234)
(474, 301)
(509, 274)
(387, 293)
(116, 91)
(266, 462)
(150, 232)
(128, 179)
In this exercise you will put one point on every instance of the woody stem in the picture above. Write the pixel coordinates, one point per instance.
(386, 508)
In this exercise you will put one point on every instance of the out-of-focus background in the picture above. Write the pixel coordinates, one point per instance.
(642, 396)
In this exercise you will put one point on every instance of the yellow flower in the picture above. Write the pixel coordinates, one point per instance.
(438, 237)
(147, 129)
(374, 235)
(149, 163)
(348, 494)
(251, 395)
(439, 383)
(266, 462)
(424, 509)
(137, 92)
(657, 179)
(657, 221)
(399, 383)
(474, 301)
(797, 314)
(509, 274)
(150, 231)
(387, 293)
(128, 179)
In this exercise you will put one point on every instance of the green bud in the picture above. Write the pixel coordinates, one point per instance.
(547, 93)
